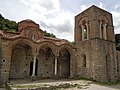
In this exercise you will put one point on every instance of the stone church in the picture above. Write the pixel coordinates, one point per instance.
(28, 53)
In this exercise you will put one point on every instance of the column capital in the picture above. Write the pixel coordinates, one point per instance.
(86, 23)
(57, 55)
(35, 54)
(101, 22)
(82, 26)
(105, 25)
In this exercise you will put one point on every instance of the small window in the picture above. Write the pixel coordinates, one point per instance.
(84, 60)
(3, 60)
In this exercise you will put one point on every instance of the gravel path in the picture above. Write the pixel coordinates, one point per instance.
(80, 84)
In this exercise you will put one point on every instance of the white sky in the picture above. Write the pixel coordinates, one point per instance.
(56, 16)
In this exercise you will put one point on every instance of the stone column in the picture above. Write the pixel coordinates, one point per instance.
(82, 32)
(34, 64)
(56, 68)
(87, 30)
(56, 65)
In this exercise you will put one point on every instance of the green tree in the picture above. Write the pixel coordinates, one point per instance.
(7, 25)
(49, 34)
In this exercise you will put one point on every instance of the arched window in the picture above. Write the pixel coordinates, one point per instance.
(84, 60)
(33, 35)
(103, 27)
(85, 32)
(84, 25)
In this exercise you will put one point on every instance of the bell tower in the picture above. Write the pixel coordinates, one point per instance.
(94, 23)
(95, 43)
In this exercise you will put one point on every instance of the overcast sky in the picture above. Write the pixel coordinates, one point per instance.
(56, 16)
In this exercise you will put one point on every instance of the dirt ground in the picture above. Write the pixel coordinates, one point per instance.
(71, 84)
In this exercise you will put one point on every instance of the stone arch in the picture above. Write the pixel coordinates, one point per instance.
(48, 44)
(21, 56)
(68, 47)
(103, 19)
(66, 59)
(103, 27)
(24, 41)
(84, 27)
(83, 21)
(46, 59)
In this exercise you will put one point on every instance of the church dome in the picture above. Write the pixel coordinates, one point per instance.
(26, 24)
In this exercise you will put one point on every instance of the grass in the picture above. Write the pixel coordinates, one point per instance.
(100, 83)
(107, 83)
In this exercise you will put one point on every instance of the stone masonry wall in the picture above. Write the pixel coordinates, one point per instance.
(96, 64)
(105, 63)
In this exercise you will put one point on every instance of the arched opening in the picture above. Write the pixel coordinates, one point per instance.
(103, 28)
(46, 60)
(20, 59)
(108, 67)
(84, 24)
(85, 33)
(63, 63)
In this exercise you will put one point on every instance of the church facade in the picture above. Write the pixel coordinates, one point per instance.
(28, 53)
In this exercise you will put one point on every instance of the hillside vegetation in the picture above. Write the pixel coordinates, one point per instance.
(11, 26)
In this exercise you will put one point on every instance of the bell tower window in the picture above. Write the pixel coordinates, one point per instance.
(103, 28)
(85, 31)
